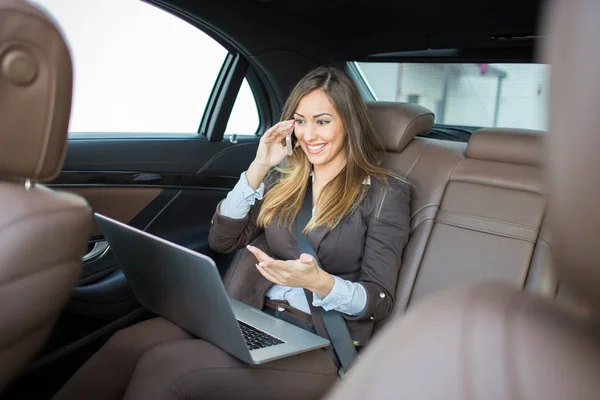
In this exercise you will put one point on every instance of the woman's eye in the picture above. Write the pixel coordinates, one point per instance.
(299, 121)
(323, 122)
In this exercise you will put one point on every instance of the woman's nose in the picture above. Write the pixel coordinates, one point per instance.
(309, 133)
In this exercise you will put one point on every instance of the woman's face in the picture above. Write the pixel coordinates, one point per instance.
(319, 129)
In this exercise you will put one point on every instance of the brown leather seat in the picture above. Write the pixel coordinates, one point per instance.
(43, 234)
(478, 208)
(495, 342)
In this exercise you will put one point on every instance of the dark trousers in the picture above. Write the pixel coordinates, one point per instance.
(156, 359)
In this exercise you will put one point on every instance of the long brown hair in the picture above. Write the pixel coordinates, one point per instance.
(362, 146)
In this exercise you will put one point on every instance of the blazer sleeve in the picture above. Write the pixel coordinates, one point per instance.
(387, 233)
(229, 234)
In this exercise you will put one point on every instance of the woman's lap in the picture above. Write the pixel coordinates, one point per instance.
(106, 374)
(189, 369)
(169, 363)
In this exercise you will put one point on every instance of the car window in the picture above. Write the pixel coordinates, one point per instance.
(479, 95)
(140, 69)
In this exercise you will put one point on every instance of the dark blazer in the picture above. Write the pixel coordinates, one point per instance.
(366, 247)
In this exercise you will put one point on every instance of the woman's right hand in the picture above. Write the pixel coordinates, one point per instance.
(271, 151)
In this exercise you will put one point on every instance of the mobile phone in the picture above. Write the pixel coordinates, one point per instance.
(290, 142)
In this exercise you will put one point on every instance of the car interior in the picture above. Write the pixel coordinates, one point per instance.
(497, 341)
(477, 165)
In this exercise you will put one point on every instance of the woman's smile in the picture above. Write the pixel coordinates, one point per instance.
(315, 148)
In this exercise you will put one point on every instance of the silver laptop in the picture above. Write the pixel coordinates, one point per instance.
(184, 287)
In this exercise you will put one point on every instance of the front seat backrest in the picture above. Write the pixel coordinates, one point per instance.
(574, 147)
(493, 342)
(43, 234)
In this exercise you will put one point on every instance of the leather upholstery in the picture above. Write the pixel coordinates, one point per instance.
(542, 277)
(483, 342)
(495, 342)
(35, 93)
(473, 220)
(43, 234)
(399, 123)
(427, 164)
(575, 145)
(515, 146)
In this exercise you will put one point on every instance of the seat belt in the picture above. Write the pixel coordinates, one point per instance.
(334, 322)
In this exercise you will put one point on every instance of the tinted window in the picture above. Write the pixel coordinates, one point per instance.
(139, 69)
(481, 95)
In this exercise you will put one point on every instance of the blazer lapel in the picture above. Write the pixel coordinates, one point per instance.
(242, 281)
(316, 237)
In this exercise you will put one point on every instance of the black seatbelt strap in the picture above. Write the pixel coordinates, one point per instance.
(333, 320)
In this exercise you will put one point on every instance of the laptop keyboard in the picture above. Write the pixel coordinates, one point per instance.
(256, 339)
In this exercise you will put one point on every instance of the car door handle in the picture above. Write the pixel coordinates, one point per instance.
(100, 249)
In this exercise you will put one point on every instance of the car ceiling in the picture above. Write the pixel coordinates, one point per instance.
(325, 31)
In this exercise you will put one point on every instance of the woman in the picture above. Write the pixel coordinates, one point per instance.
(359, 227)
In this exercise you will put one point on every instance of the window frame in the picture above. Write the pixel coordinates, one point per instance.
(225, 89)
(264, 106)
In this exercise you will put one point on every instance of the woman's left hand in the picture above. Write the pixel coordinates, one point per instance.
(303, 272)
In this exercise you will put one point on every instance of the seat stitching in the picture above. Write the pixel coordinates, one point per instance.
(419, 157)
(414, 228)
(414, 121)
(499, 186)
(19, 220)
(470, 228)
(415, 275)
(541, 240)
(424, 207)
(490, 219)
(538, 243)
(30, 275)
(424, 219)
(41, 213)
(49, 317)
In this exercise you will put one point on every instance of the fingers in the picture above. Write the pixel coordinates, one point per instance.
(277, 269)
(278, 132)
(265, 263)
(283, 126)
(268, 275)
(260, 255)
(281, 134)
(306, 258)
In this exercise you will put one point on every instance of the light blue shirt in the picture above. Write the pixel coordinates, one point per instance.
(345, 296)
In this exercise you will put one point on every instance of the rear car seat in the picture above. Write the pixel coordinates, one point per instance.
(477, 210)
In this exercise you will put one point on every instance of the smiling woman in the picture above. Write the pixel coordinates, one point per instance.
(338, 144)
(359, 226)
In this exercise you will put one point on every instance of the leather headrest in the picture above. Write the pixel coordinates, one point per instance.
(574, 145)
(515, 146)
(35, 93)
(398, 123)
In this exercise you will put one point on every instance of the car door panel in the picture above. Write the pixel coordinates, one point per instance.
(180, 154)
(120, 203)
(171, 197)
